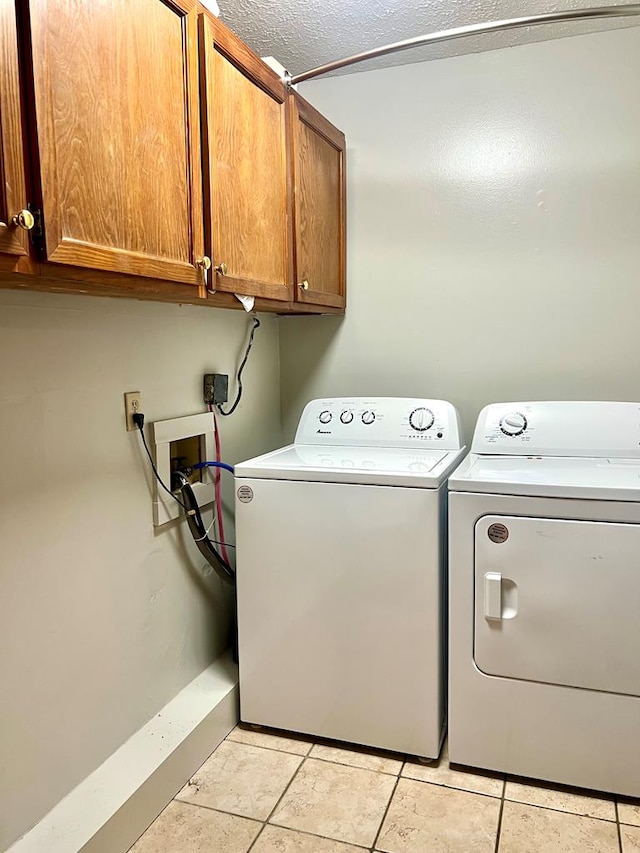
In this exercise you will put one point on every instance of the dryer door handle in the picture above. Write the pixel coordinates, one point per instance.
(493, 595)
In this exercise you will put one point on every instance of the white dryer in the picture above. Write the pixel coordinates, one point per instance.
(340, 574)
(544, 584)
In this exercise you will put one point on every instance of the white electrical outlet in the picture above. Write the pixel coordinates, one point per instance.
(132, 406)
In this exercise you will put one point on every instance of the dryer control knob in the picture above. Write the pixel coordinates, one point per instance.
(421, 419)
(513, 424)
(368, 417)
(325, 417)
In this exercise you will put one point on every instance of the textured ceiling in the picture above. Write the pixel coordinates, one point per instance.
(302, 34)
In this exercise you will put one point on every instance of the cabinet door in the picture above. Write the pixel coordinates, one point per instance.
(247, 195)
(116, 99)
(319, 206)
(13, 240)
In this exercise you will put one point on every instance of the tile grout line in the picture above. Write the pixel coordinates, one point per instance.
(358, 749)
(619, 829)
(561, 811)
(462, 790)
(278, 801)
(304, 758)
(288, 785)
(500, 813)
(270, 748)
(256, 820)
(241, 743)
(356, 766)
(255, 840)
(317, 835)
(390, 756)
(219, 811)
(449, 788)
(264, 824)
(319, 757)
(388, 806)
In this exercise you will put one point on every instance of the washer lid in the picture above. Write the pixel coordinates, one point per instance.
(385, 466)
(549, 476)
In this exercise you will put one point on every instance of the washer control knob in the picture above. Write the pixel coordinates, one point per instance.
(368, 417)
(325, 417)
(346, 417)
(421, 419)
(513, 424)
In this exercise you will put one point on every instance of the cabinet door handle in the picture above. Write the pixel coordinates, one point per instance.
(24, 219)
(304, 285)
(493, 595)
(221, 269)
(204, 263)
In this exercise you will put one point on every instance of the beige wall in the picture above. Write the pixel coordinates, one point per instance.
(103, 620)
(494, 212)
(493, 221)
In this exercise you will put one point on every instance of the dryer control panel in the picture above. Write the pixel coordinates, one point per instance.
(563, 428)
(381, 422)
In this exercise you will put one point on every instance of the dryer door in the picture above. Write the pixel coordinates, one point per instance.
(558, 601)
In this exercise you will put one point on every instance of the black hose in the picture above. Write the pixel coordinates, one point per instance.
(256, 325)
(199, 532)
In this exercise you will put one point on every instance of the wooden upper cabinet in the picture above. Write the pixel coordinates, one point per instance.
(116, 96)
(318, 155)
(247, 193)
(13, 196)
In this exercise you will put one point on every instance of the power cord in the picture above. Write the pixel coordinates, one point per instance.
(256, 325)
(138, 419)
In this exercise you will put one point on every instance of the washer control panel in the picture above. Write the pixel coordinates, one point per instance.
(563, 428)
(421, 419)
(380, 422)
(514, 423)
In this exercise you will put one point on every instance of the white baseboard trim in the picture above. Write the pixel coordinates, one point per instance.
(109, 810)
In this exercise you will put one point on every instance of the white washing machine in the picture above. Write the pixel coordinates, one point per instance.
(340, 574)
(544, 585)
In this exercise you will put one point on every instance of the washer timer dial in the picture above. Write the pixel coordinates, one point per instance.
(368, 417)
(513, 424)
(421, 419)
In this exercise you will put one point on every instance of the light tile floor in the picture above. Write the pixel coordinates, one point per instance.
(267, 792)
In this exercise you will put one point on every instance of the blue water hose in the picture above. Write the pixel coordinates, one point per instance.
(223, 465)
